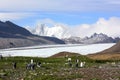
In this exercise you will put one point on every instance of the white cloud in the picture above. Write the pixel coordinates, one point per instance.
(111, 27)
(49, 22)
(59, 5)
(14, 16)
(46, 21)
(116, 2)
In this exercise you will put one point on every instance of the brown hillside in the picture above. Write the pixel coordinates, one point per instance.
(64, 54)
(108, 56)
(113, 49)
(110, 53)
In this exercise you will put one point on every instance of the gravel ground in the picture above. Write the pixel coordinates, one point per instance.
(99, 73)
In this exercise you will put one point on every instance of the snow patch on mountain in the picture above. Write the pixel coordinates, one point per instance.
(58, 31)
(95, 38)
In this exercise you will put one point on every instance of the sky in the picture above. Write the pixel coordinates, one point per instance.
(87, 16)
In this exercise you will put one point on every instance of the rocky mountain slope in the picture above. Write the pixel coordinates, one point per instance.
(12, 35)
(11, 28)
(66, 35)
(95, 38)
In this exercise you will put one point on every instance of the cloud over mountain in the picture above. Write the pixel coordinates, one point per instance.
(109, 27)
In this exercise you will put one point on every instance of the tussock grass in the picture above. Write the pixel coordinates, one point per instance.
(51, 69)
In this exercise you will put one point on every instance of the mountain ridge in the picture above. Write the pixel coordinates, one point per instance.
(63, 33)
(93, 39)
(12, 28)
(12, 35)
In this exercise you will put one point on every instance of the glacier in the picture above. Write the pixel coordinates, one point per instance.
(49, 50)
